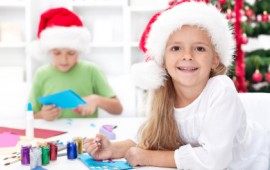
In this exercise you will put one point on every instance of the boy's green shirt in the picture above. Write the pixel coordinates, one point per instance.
(85, 78)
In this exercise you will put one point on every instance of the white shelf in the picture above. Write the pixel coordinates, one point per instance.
(12, 45)
(145, 8)
(12, 4)
(135, 44)
(107, 44)
(100, 3)
(115, 26)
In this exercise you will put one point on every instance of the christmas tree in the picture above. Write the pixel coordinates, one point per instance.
(252, 67)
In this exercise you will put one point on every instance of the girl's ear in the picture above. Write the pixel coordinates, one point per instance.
(216, 61)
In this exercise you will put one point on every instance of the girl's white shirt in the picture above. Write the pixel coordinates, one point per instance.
(217, 134)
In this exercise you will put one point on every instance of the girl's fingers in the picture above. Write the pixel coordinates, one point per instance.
(91, 148)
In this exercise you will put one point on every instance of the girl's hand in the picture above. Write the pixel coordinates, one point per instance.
(50, 112)
(99, 148)
(89, 108)
(135, 156)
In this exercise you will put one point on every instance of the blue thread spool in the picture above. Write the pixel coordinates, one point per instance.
(71, 150)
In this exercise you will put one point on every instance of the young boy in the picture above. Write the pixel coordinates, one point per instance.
(61, 37)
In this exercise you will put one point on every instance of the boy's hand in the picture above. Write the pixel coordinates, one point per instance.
(99, 148)
(50, 112)
(89, 108)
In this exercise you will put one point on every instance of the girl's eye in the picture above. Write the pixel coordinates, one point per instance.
(200, 49)
(175, 48)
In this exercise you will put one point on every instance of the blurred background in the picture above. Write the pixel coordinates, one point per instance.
(116, 27)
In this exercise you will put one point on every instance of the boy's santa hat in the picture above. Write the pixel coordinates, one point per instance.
(60, 28)
(151, 74)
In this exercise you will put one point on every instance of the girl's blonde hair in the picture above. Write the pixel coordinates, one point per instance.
(160, 131)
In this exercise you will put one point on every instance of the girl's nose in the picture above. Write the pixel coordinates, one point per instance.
(187, 55)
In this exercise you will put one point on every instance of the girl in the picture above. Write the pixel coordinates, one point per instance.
(195, 118)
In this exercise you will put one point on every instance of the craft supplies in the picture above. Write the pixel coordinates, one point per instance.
(25, 154)
(53, 150)
(45, 155)
(71, 150)
(29, 131)
(35, 157)
(107, 130)
(79, 142)
(12, 162)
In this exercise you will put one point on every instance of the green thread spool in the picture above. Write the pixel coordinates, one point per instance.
(45, 157)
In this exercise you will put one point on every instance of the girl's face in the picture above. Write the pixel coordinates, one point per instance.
(64, 59)
(189, 57)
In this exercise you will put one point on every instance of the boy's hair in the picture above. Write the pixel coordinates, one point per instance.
(151, 74)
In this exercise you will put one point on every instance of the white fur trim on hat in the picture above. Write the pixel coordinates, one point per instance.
(77, 38)
(200, 14)
(148, 75)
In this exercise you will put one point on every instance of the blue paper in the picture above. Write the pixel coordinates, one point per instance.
(39, 168)
(66, 99)
(98, 165)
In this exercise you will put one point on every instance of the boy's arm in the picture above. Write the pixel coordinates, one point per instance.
(111, 105)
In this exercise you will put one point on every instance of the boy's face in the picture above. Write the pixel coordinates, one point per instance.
(64, 59)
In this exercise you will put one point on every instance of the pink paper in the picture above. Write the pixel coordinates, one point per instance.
(8, 140)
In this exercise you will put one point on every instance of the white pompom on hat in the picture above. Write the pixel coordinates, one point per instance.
(59, 28)
(164, 23)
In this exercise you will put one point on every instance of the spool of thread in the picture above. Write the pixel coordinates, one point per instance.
(45, 157)
(35, 157)
(79, 145)
(71, 150)
(53, 151)
(25, 154)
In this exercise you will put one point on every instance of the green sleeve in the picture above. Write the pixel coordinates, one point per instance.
(101, 85)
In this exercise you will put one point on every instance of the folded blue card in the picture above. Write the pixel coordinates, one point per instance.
(66, 99)
(109, 165)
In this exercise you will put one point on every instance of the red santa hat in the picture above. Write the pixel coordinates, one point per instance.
(151, 74)
(61, 28)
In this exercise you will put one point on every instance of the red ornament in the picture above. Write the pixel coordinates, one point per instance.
(257, 76)
(265, 17)
(244, 39)
(222, 2)
(249, 13)
(267, 75)
(229, 14)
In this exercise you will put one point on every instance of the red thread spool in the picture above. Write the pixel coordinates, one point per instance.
(53, 151)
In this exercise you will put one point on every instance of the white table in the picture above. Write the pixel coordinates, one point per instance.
(126, 128)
